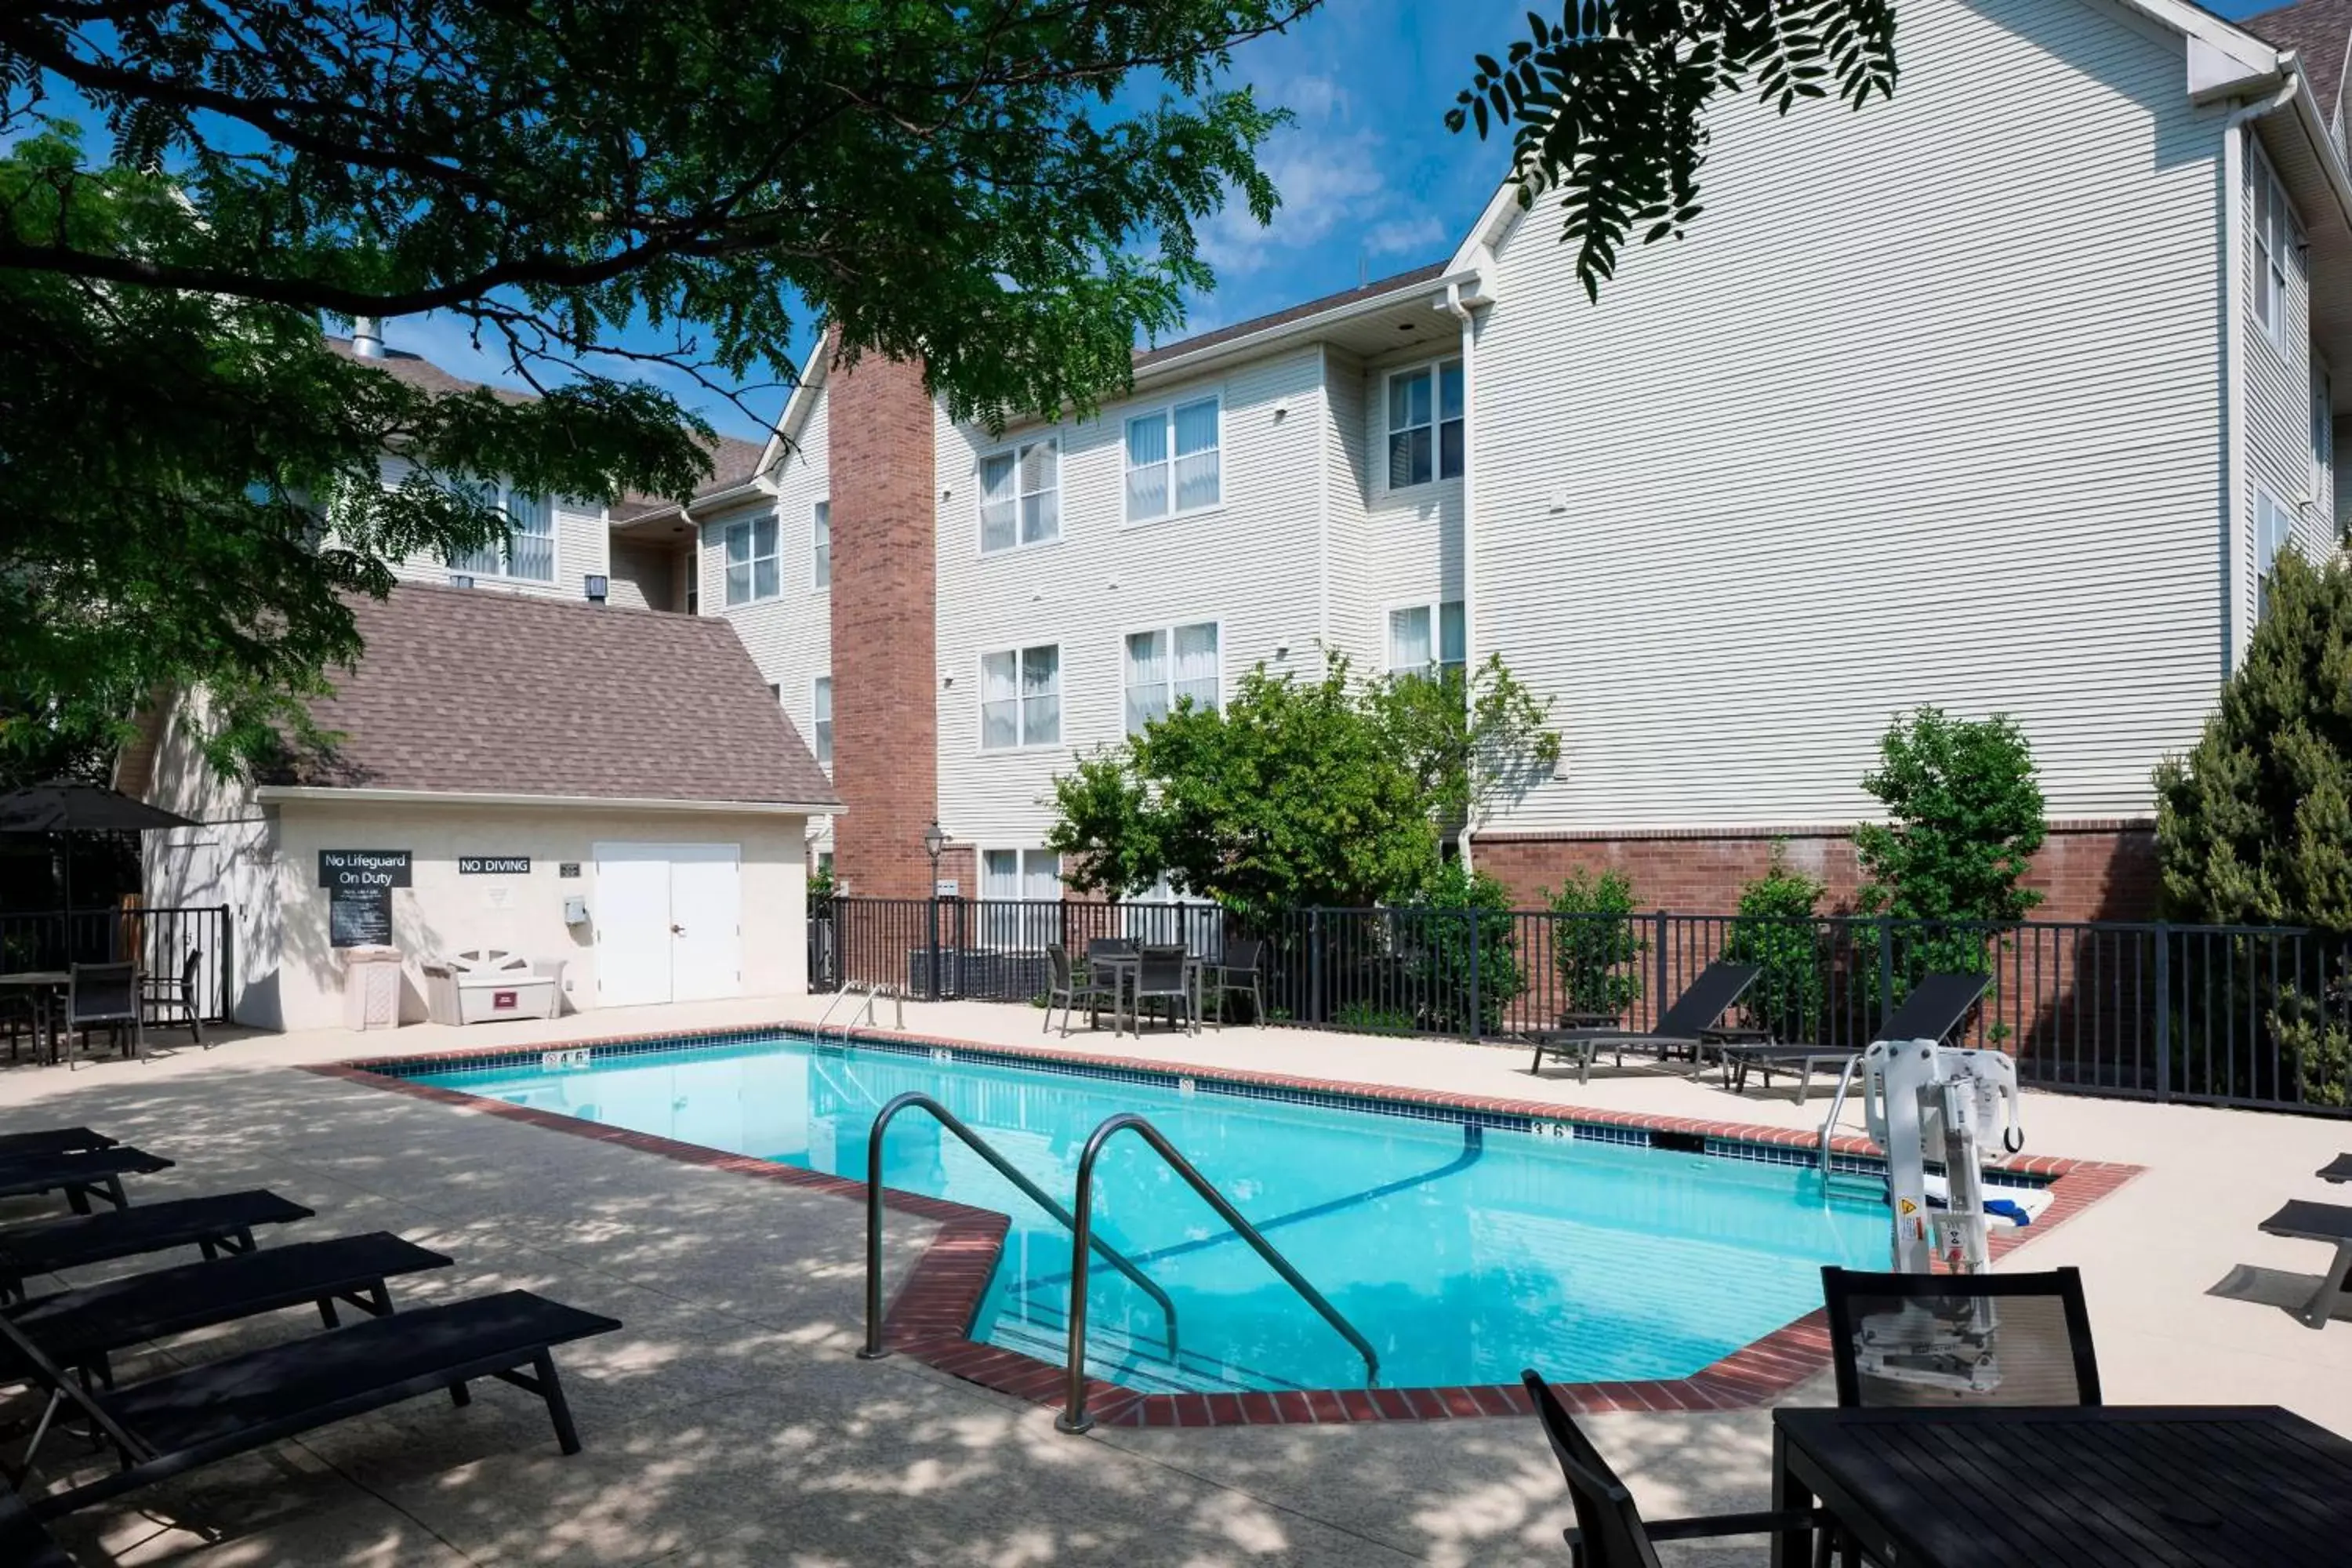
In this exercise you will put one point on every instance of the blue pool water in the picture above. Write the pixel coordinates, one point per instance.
(1462, 1253)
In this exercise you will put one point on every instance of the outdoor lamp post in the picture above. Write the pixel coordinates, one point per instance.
(933, 842)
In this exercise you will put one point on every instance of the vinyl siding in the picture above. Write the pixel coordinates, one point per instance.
(581, 548)
(2277, 401)
(1351, 593)
(1926, 410)
(1251, 564)
(1415, 534)
(645, 576)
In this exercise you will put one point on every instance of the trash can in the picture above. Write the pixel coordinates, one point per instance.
(372, 988)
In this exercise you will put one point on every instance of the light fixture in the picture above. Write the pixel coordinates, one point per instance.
(933, 842)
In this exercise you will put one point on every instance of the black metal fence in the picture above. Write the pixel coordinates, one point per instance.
(158, 940)
(2222, 1015)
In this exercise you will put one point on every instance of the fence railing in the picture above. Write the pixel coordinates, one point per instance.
(2222, 1015)
(158, 940)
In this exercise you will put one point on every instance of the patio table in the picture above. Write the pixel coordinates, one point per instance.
(46, 986)
(2025, 1486)
(1124, 969)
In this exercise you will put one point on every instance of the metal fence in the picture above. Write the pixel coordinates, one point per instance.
(158, 940)
(2222, 1014)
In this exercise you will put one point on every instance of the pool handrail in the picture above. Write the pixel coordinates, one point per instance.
(1081, 1236)
(1073, 1418)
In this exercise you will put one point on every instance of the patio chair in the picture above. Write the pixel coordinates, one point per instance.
(104, 995)
(1935, 1009)
(1609, 1532)
(1234, 974)
(81, 1174)
(220, 1223)
(81, 1328)
(1913, 1339)
(1681, 1027)
(168, 1425)
(1162, 974)
(173, 1000)
(2301, 1220)
(1071, 988)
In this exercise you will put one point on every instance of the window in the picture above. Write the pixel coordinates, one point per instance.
(527, 554)
(1159, 913)
(1409, 647)
(1172, 461)
(1425, 425)
(1009, 874)
(820, 544)
(750, 559)
(1165, 666)
(1021, 698)
(1021, 496)
(821, 719)
(2273, 529)
(2277, 237)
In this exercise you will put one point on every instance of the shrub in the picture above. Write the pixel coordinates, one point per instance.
(1469, 911)
(1372, 1016)
(1594, 943)
(1775, 931)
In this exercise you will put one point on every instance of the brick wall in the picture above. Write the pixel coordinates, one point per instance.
(885, 626)
(2102, 871)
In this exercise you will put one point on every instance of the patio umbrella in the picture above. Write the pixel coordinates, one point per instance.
(68, 805)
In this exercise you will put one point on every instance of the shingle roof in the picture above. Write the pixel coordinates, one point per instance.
(1296, 312)
(478, 691)
(2315, 29)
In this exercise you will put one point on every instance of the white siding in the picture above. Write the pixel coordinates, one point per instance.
(1251, 564)
(1351, 594)
(1415, 534)
(2278, 399)
(581, 548)
(1926, 409)
(645, 576)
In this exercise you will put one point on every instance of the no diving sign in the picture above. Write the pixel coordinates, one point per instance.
(494, 865)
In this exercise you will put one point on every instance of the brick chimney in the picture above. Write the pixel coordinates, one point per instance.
(885, 625)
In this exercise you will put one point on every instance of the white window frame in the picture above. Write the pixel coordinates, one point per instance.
(1166, 414)
(1022, 741)
(1438, 661)
(751, 558)
(1168, 629)
(820, 544)
(1136, 922)
(1434, 369)
(2277, 232)
(502, 496)
(2273, 533)
(1014, 450)
(821, 721)
(1023, 870)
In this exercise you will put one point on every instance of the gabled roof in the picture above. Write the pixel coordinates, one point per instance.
(2316, 30)
(476, 692)
(1377, 289)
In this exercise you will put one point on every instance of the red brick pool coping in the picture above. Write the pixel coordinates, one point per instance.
(934, 1306)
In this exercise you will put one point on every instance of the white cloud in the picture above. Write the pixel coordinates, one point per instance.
(1399, 235)
(1325, 180)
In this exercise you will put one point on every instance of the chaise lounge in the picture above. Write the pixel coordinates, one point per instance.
(219, 1223)
(1935, 1009)
(1684, 1025)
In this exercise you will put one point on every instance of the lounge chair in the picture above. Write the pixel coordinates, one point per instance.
(1609, 1532)
(2332, 1223)
(1681, 1027)
(79, 1174)
(52, 1141)
(2339, 1170)
(221, 1223)
(81, 1328)
(1933, 1010)
(1068, 986)
(168, 1425)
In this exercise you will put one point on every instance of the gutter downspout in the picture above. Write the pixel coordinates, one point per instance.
(1461, 313)
(2233, 357)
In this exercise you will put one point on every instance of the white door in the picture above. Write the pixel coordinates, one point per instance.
(668, 922)
(706, 914)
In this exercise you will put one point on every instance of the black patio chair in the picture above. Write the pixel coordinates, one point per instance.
(104, 995)
(1912, 1339)
(1070, 987)
(170, 999)
(1934, 1009)
(217, 1223)
(1609, 1532)
(1162, 974)
(1682, 1027)
(1234, 974)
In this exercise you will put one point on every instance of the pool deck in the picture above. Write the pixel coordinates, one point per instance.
(730, 1424)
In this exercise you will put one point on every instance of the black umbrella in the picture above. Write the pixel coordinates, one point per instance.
(65, 805)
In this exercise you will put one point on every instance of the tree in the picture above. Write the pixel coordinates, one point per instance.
(1963, 820)
(1595, 950)
(1607, 105)
(1471, 742)
(1775, 931)
(1467, 951)
(959, 183)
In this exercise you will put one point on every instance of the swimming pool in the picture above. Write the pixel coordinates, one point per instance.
(1464, 1246)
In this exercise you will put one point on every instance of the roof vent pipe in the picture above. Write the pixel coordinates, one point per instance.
(367, 343)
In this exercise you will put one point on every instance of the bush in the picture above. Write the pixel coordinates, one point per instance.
(1775, 931)
(1595, 947)
(1468, 908)
(1373, 1017)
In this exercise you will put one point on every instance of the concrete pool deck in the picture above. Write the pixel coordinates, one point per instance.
(728, 1423)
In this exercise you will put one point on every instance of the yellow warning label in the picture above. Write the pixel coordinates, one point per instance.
(1908, 1207)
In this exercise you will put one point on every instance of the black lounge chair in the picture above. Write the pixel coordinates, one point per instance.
(1609, 1532)
(79, 1174)
(81, 1328)
(2339, 1170)
(221, 1223)
(52, 1141)
(1934, 1009)
(1682, 1027)
(169, 1425)
(2332, 1223)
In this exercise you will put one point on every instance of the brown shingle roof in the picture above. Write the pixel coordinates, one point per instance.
(2315, 29)
(478, 691)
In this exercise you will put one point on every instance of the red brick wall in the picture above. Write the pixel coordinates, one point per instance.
(885, 626)
(2086, 871)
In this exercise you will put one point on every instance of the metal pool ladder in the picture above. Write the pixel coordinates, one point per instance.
(864, 1015)
(1073, 1417)
(1084, 1239)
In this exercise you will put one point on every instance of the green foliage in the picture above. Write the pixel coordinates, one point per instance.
(1471, 742)
(1371, 1017)
(1775, 931)
(1963, 820)
(820, 884)
(1469, 915)
(1608, 103)
(1595, 945)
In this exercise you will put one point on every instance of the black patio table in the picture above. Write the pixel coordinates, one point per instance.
(2132, 1484)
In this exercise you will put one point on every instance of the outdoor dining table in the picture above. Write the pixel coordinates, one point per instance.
(2087, 1486)
(1125, 969)
(45, 987)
